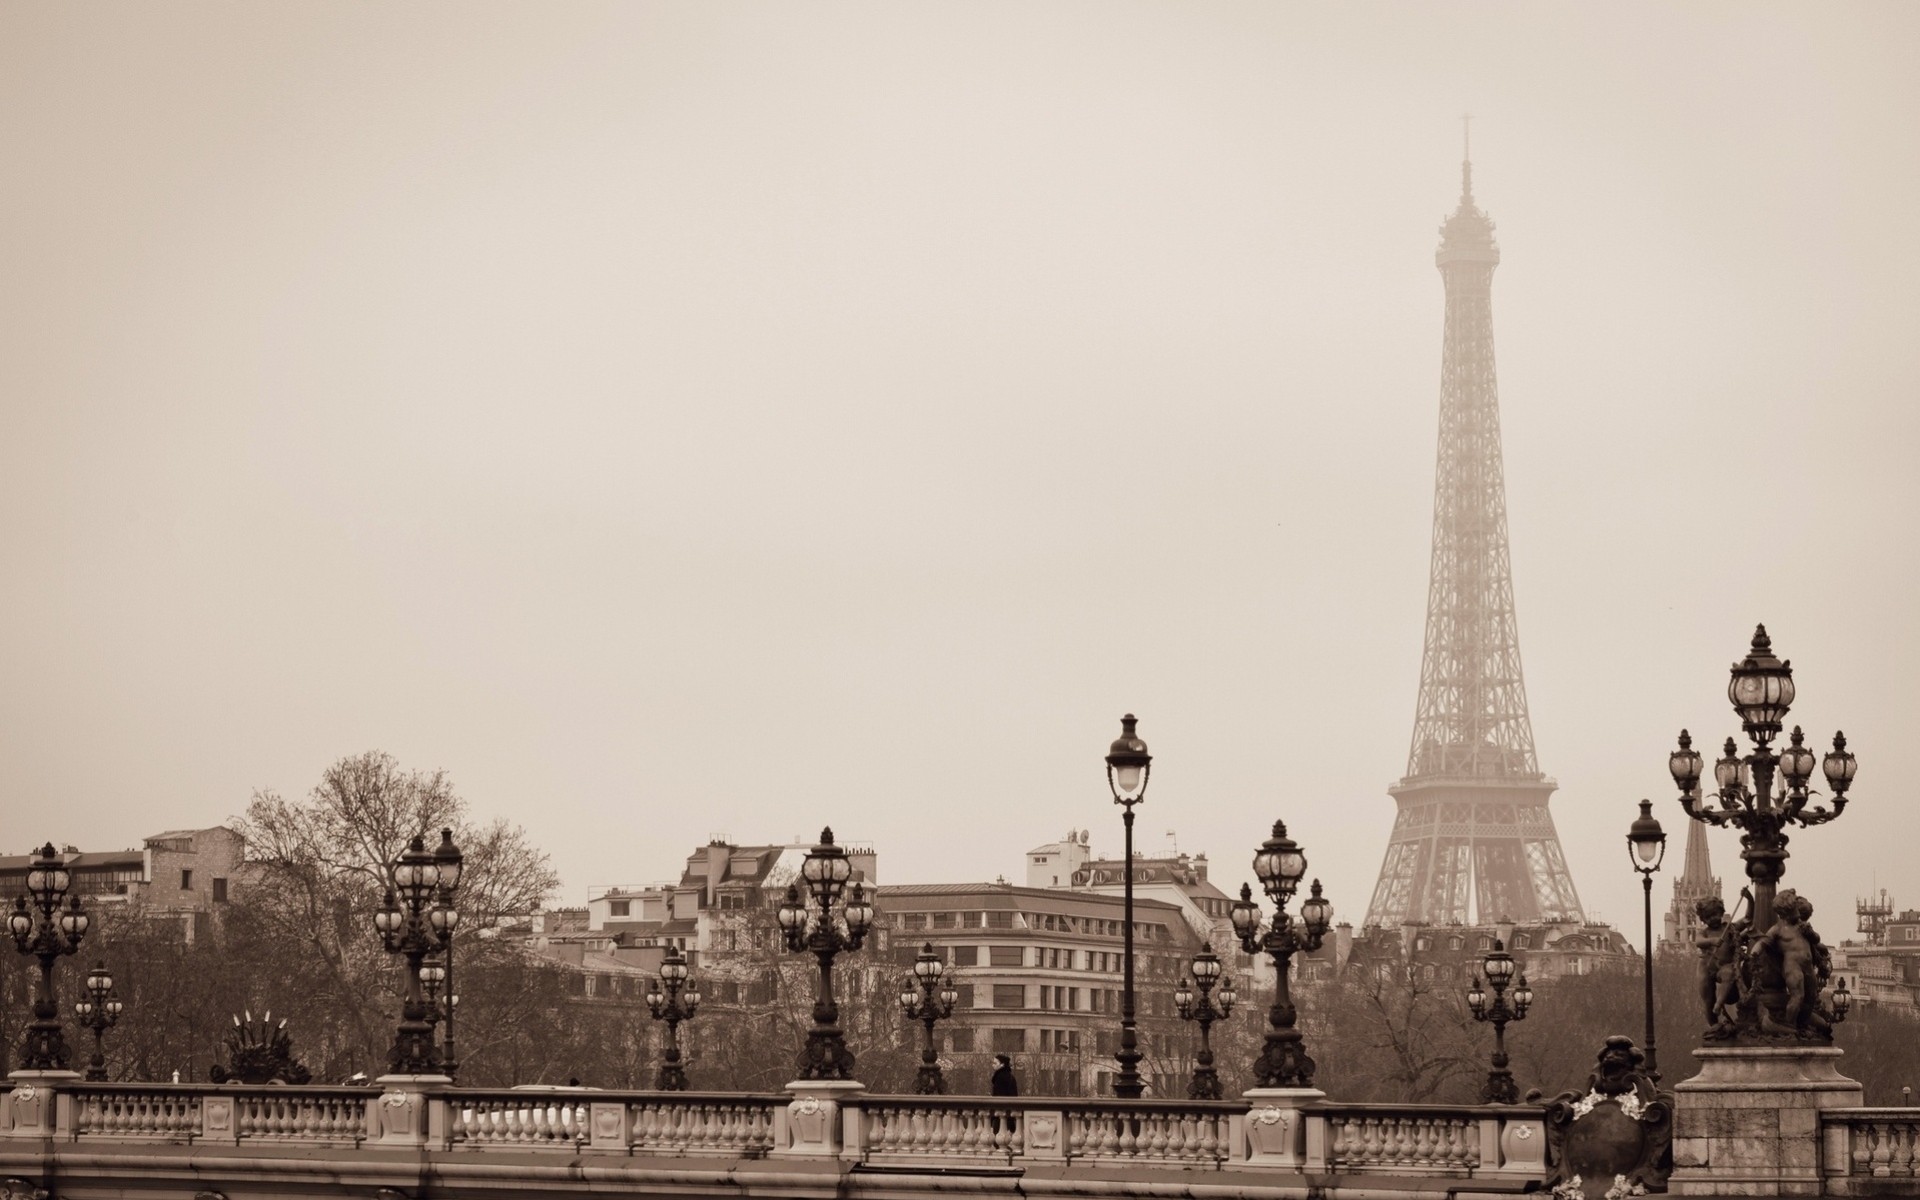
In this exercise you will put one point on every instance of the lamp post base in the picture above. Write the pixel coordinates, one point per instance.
(825, 1056)
(1284, 1062)
(1205, 1084)
(930, 1081)
(1749, 1121)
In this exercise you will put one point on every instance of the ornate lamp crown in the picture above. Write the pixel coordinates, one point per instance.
(1761, 689)
(1128, 765)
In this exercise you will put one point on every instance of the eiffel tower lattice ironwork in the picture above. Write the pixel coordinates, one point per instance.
(1472, 841)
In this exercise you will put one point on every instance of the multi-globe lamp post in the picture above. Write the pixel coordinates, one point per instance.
(1763, 792)
(98, 1010)
(1128, 767)
(46, 931)
(1647, 846)
(1280, 865)
(416, 920)
(928, 995)
(820, 923)
(1499, 969)
(674, 997)
(1195, 999)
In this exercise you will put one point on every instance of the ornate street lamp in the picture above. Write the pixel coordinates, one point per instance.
(813, 926)
(1128, 767)
(1499, 967)
(928, 995)
(1196, 1001)
(1280, 865)
(418, 919)
(1747, 798)
(673, 998)
(1647, 846)
(451, 864)
(98, 1010)
(53, 932)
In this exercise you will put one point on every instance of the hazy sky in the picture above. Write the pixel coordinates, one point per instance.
(677, 420)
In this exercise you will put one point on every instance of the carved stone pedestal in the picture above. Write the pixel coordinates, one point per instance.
(1276, 1129)
(398, 1115)
(31, 1109)
(810, 1126)
(1749, 1123)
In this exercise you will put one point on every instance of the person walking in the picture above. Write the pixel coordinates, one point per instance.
(1004, 1084)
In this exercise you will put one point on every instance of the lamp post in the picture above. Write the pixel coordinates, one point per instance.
(1761, 690)
(1499, 967)
(1128, 766)
(1280, 865)
(451, 864)
(928, 995)
(54, 931)
(813, 926)
(673, 998)
(98, 1010)
(1197, 1002)
(417, 919)
(1647, 846)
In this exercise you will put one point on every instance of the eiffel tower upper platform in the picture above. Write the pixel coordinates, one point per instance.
(1473, 841)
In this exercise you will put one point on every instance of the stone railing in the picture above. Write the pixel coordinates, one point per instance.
(226, 1112)
(1870, 1151)
(795, 1143)
(1424, 1139)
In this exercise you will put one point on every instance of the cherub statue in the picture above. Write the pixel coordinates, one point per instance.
(1720, 984)
(1788, 966)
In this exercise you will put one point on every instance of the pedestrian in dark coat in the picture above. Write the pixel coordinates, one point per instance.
(1004, 1084)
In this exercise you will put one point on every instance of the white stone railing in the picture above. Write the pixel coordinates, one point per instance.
(1421, 1140)
(133, 1110)
(1173, 1133)
(538, 1119)
(691, 1123)
(185, 1112)
(1866, 1144)
(1283, 1140)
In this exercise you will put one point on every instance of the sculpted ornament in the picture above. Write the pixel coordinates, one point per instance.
(1614, 1140)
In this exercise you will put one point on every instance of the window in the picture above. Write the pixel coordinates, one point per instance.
(1006, 956)
(965, 956)
(960, 1039)
(999, 920)
(965, 999)
(1009, 1041)
(186, 879)
(943, 920)
(973, 920)
(219, 890)
(1009, 995)
(619, 908)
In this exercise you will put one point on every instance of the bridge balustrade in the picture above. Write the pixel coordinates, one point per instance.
(1871, 1151)
(716, 1143)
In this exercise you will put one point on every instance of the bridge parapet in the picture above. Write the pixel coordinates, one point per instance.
(1871, 1151)
(413, 1136)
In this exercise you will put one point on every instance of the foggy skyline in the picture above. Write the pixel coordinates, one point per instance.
(676, 421)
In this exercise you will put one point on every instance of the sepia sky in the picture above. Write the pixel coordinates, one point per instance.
(680, 420)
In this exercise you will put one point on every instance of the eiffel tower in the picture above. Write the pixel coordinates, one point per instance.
(1473, 841)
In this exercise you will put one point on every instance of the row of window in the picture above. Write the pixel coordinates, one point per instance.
(1051, 922)
(1062, 958)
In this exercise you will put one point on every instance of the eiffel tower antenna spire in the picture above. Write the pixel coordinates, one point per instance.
(1466, 158)
(1473, 839)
